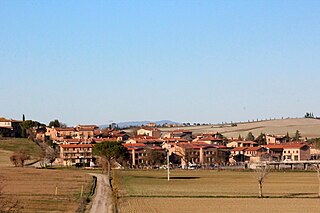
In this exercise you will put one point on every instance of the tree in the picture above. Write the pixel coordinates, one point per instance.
(18, 158)
(109, 152)
(154, 157)
(250, 137)
(287, 137)
(54, 123)
(297, 136)
(48, 153)
(317, 166)
(262, 171)
(261, 139)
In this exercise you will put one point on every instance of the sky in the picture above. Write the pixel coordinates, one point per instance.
(96, 62)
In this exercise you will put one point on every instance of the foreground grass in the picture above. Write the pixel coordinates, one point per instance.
(216, 191)
(204, 183)
(36, 188)
(164, 205)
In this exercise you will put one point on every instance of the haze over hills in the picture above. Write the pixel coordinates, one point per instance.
(139, 123)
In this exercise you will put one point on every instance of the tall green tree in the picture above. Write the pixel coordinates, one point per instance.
(54, 123)
(297, 136)
(261, 139)
(109, 152)
(250, 137)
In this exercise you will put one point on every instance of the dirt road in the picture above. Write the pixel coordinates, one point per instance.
(100, 203)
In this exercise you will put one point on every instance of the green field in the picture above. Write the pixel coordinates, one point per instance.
(150, 191)
(15, 144)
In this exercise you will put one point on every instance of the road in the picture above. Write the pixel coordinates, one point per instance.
(100, 203)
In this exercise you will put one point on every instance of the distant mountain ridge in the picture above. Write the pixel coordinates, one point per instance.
(139, 123)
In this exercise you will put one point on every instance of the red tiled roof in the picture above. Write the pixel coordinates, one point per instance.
(64, 129)
(175, 140)
(8, 120)
(135, 146)
(210, 139)
(293, 145)
(239, 149)
(274, 146)
(253, 148)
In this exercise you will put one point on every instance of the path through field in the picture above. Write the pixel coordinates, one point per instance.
(100, 202)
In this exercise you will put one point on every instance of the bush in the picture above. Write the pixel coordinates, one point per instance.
(18, 158)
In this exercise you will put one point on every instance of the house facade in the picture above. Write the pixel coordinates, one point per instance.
(10, 127)
(70, 154)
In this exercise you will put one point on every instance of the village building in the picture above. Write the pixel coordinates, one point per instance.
(233, 144)
(149, 131)
(199, 153)
(71, 154)
(10, 127)
(276, 139)
(179, 133)
(296, 152)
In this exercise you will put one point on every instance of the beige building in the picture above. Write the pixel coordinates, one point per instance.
(276, 139)
(242, 144)
(70, 154)
(149, 131)
(10, 127)
(295, 152)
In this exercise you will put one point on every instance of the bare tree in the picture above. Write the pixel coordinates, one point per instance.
(317, 166)
(18, 158)
(262, 171)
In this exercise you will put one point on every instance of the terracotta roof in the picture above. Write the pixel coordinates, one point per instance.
(64, 129)
(175, 140)
(134, 146)
(8, 120)
(76, 145)
(294, 145)
(253, 148)
(148, 140)
(104, 139)
(274, 146)
(210, 139)
(239, 149)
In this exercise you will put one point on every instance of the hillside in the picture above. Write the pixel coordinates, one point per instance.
(307, 127)
(14, 144)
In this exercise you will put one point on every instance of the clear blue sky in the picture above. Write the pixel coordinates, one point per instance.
(188, 61)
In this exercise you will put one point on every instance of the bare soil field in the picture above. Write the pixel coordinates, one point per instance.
(35, 189)
(137, 205)
(217, 191)
(307, 127)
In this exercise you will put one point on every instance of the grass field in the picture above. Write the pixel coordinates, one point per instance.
(14, 144)
(216, 191)
(307, 127)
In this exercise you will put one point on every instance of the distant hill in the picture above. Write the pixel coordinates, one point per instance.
(139, 123)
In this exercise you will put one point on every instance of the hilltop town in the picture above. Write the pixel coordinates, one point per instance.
(147, 145)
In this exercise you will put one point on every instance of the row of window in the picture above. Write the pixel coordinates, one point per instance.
(291, 152)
